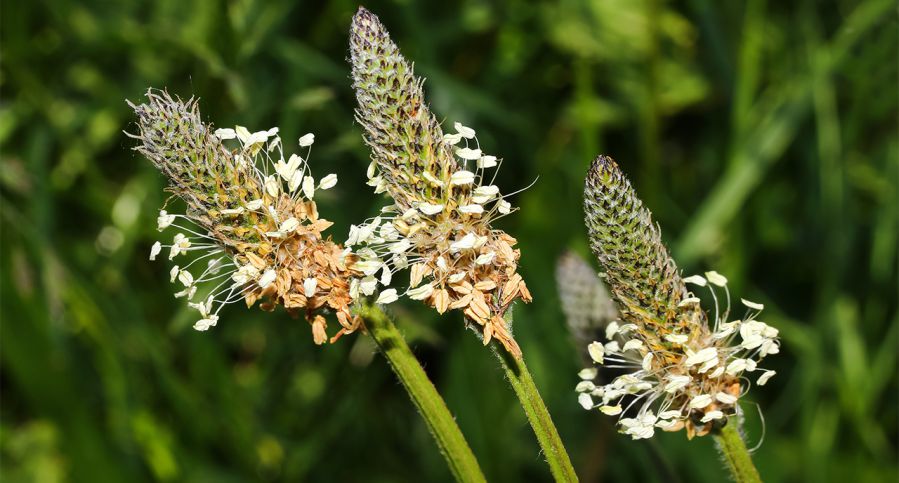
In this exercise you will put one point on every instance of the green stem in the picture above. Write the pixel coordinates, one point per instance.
(735, 453)
(538, 416)
(427, 400)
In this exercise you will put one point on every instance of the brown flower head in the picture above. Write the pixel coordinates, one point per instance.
(250, 221)
(444, 202)
(687, 370)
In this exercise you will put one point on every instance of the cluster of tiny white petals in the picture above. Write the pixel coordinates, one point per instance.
(222, 276)
(388, 243)
(696, 383)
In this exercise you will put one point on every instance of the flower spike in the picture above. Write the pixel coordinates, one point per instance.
(439, 225)
(250, 218)
(686, 372)
(586, 303)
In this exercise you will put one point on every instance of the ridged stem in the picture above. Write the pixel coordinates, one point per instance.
(736, 455)
(462, 462)
(538, 416)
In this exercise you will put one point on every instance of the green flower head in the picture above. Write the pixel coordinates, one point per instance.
(439, 224)
(685, 371)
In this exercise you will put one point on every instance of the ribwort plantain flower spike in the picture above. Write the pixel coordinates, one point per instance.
(250, 219)
(586, 303)
(686, 372)
(444, 199)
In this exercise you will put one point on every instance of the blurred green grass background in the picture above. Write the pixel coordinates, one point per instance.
(763, 135)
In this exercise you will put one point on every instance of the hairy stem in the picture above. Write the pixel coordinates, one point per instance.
(535, 409)
(424, 395)
(736, 455)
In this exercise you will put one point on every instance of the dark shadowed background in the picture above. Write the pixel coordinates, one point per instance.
(763, 135)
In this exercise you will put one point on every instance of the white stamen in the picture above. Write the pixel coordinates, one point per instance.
(596, 351)
(752, 305)
(328, 182)
(309, 286)
(468, 154)
(154, 250)
(387, 296)
(716, 278)
(696, 280)
(267, 278)
(764, 377)
(307, 140)
(462, 177)
(465, 132)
